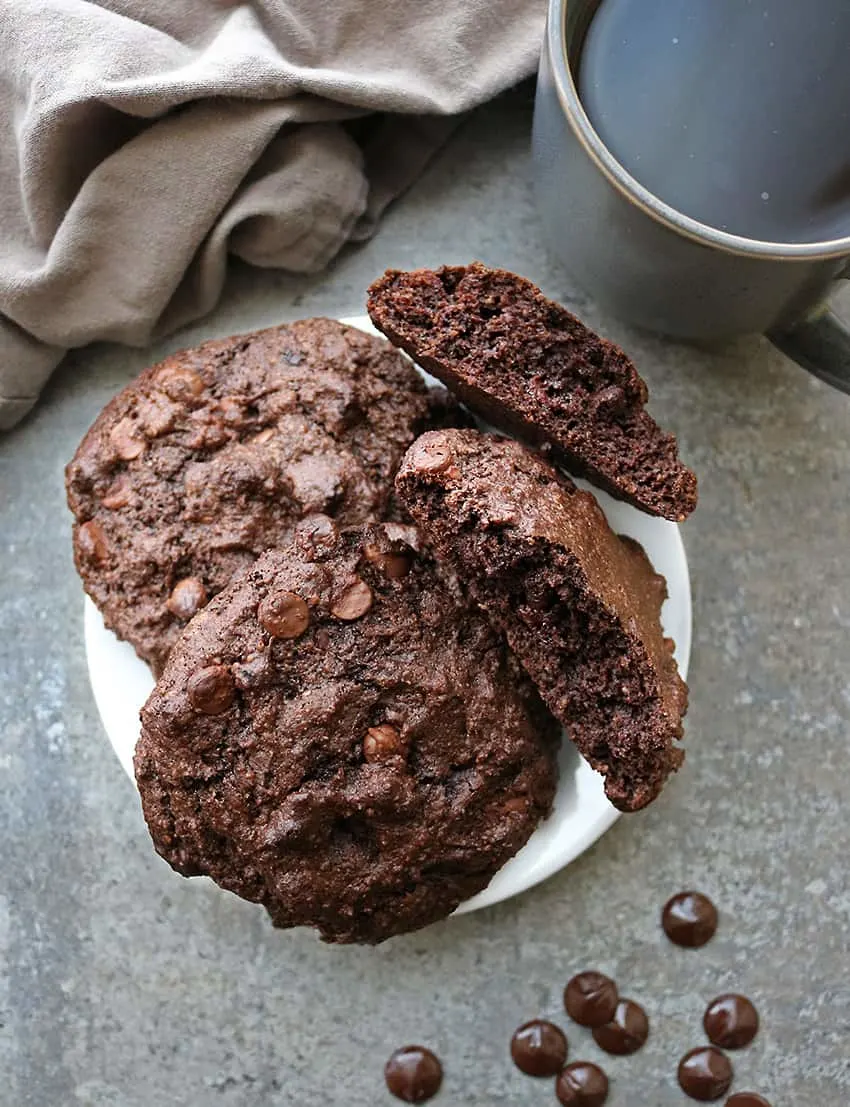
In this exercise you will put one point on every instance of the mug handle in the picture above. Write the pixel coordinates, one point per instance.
(819, 343)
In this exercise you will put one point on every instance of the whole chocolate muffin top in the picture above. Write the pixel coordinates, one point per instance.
(205, 460)
(339, 737)
(526, 365)
(579, 606)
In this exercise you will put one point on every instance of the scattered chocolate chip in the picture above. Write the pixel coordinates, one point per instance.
(516, 805)
(382, 742)
(430, 457)
(187, 597)
(125, 441)
(413, 1074)
(264, 436)
(211, 690)
(92, 542)
(539, 1048)
(705, 1074)
(746, 1099)
(582, 1084)
(689, 919)
(316, 534)
(626, 1032)
(353, 602)
(284, 615)
(117, 494)
(590, 999)
(731, 1021)
(393, 565)
(179, 383)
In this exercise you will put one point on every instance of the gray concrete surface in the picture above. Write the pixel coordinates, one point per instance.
(122, 984)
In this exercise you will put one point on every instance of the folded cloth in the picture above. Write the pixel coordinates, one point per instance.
(142, 141)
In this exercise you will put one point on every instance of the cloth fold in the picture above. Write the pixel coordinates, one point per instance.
(143, 141)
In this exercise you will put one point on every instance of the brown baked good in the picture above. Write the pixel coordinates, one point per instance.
(526, 365)
(579, 606)
(205, 460)
(338, 737)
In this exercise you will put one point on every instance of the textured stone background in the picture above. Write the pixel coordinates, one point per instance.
(122, 984)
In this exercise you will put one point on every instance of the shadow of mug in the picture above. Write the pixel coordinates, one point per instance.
(654, 266)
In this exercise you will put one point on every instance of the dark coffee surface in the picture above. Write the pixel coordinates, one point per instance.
(413, 1074)
(705, 1074)
(626, 1032)
(737, 114)
(731, 1021)
(582, 1084)
(539, 1048)
(689, 919)
(590, 999)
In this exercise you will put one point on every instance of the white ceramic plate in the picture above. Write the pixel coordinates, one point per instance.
(121, 683)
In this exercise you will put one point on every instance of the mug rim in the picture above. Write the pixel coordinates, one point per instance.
(619, 177)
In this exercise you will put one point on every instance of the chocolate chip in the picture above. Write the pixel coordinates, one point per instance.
(382, 742)
(731, 1021)
(413, 1074)
(353, 602)
(626, 1032)
(705, 1074)
(211, 690)
(179, 383)
(284, 615)
(689, 919)
(430, 457)
(126, 443)
(263, 437)
(516, 805)
(539, 1048)
(187, 597)
(590, 999)
(92, 543)
(316, 535)
(394, 566)
(582, 1084)
(746, 1099)
(117, 494)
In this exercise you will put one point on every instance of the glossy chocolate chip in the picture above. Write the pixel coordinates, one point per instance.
(747, 1099)
(211, 690)
(582, 1084)
(92, 542)
(413, 1074)
(731, 1021)
(590, 998)
(689, 919)
(626, 1032)
(382, 742)
(430, 457)
(539, 1048)
(187, 597)
(353, 602)
(126, 441)
(705, 1074)
(284, 615)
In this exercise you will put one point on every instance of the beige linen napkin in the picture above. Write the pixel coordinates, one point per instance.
(145, 140)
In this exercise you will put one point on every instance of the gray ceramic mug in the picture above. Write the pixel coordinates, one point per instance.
(655, 267)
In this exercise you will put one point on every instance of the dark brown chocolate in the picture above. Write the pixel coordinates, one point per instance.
(705, 1074)
(526, 365)
(731, 1021)
(689, 919)
(413, 1074)
(590, 999)
(747, 1099)
(582, 1084)
(626, 1033)
(539, 1048)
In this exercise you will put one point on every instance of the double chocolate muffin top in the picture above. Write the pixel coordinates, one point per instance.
(339, 737)
(207, 459)
(526, 365)
(579, 606)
